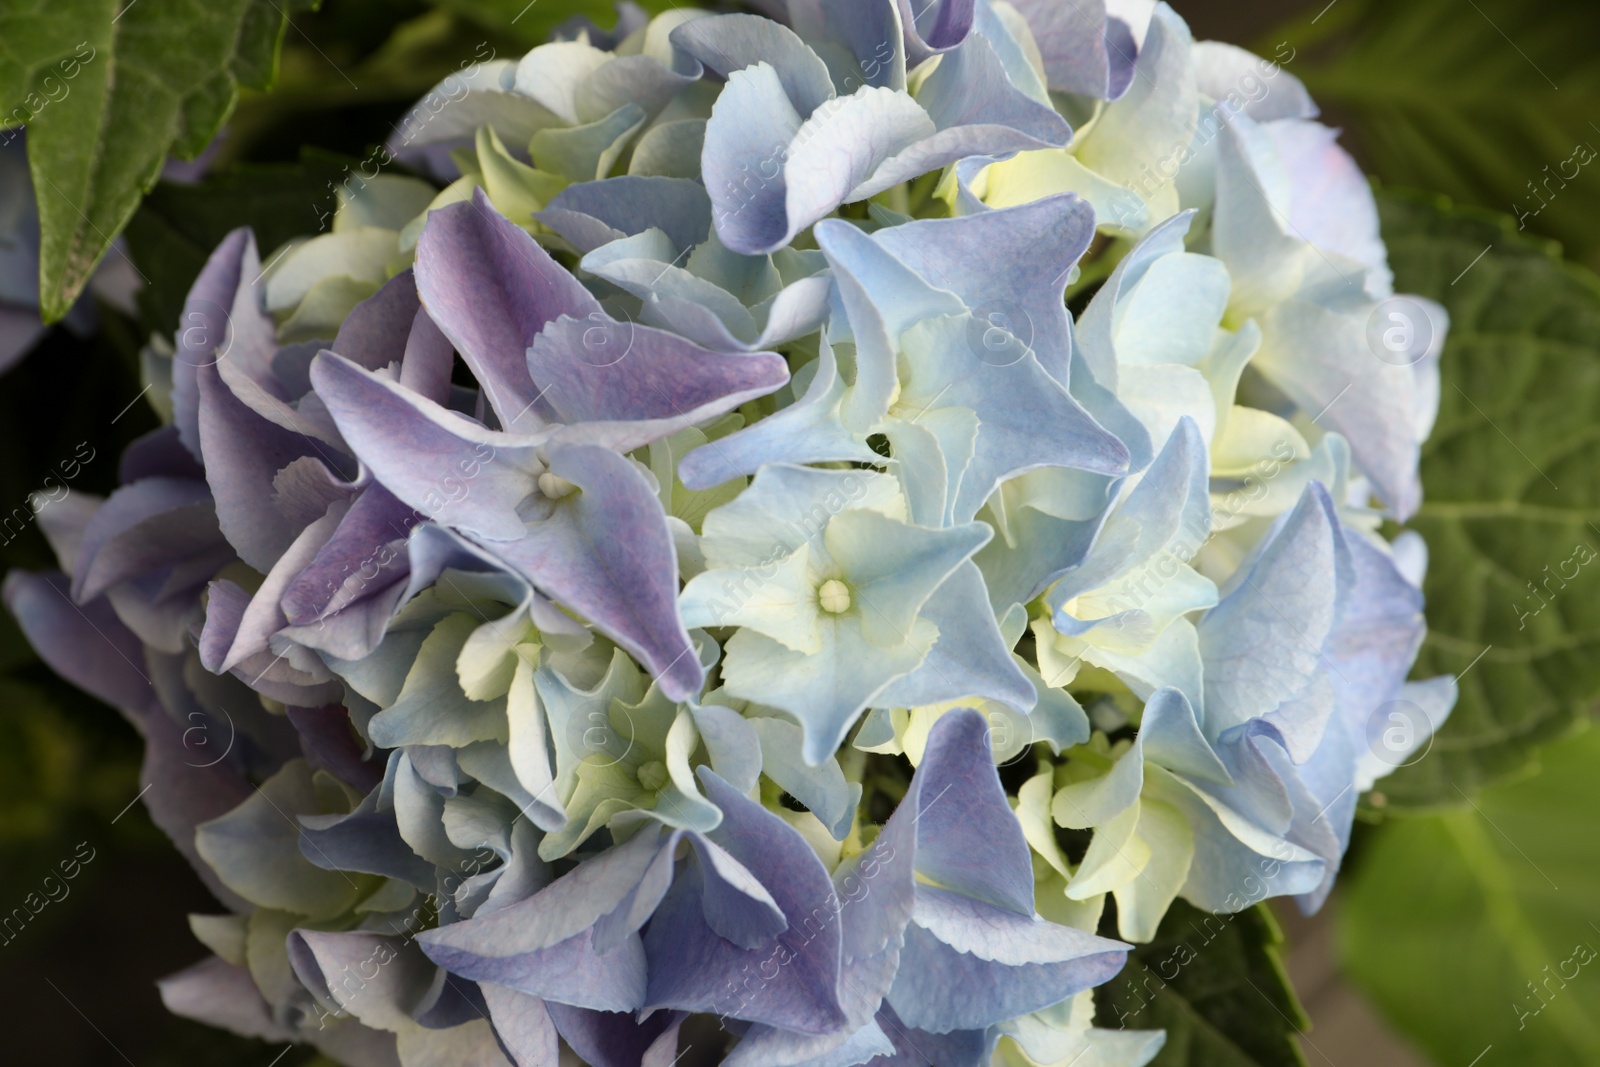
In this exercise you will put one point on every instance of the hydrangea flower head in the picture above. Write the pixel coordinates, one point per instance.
(654, 662)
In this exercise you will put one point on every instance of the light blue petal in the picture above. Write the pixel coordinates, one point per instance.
(1097, 325)
(826, 691)
(1006, 262)
(807, 431)
(1263, 642)
(968, 965)
(1171, 737)
(625, 206)
(1035, 547)
(894, 568)
(971, 659)
(747, 138)
(1086, 804)
(1221, 71)
(883, 298)
(822, 789)
(972, 88)
(729, 43)
(1227, 874)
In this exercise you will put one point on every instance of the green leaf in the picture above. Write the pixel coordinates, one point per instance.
(107, 90)
(1511, 478)
(1448, 919)
(177, 227)
(1216, 984)
(1474, 100)
(532, 22)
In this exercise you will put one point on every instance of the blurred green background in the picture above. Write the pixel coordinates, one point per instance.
(1472, 874)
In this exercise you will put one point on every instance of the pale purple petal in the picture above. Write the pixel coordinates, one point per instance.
(375, 332)
(610, 1039)
(491, 289)
(968, 965)
(568, 972)
(968, 840)
(935, 27)
(87, 645)
(602, 370)
(729, 43)
(606, 552)
(158, 454)
(364, 555)
(244, 454)
(203, 328)
(142, 528)
(432, 459)
(221, 994)
(523, 1025)
(694, 969)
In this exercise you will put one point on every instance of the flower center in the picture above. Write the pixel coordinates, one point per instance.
(652, 776)
(833, 596)
(554, 486)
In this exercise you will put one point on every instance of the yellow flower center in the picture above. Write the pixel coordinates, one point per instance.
(554, 486)
(653, 775)
(833, 596)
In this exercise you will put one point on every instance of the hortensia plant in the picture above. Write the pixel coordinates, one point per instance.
(643, 676)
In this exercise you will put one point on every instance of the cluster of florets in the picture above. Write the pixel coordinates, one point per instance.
(658, 657)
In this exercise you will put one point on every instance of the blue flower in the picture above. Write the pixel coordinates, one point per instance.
(616, 676)
(836, 597)
(791, 137)
(963, 401)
